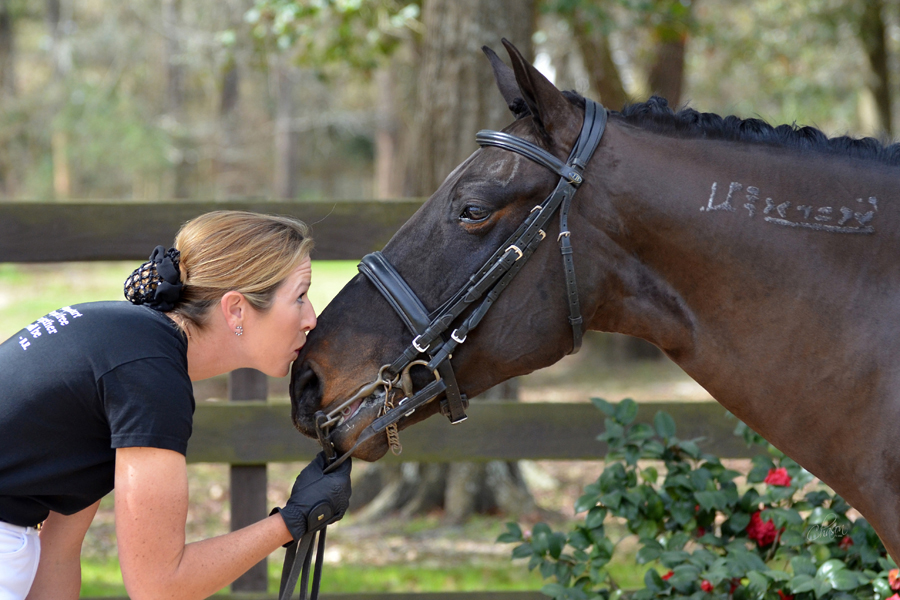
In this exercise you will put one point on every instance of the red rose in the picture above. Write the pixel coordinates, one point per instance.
(784, 596)
(668, 576)
(894, 597)
(763, 532)
(778, 476)
(894, 579)
(706, 586)
(701, 532)
(846, 542)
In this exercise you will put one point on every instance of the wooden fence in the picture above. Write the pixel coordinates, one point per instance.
(249, 432)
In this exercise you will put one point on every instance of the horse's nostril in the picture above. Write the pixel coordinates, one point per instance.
(305, 378)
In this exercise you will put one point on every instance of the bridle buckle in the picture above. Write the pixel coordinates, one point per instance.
(515, 249)
(415, 344)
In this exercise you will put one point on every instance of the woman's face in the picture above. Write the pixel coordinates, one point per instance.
(274, 337)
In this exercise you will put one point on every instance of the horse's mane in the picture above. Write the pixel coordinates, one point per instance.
(656, 115)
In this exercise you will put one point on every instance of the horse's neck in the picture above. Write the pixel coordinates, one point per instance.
(747, 258)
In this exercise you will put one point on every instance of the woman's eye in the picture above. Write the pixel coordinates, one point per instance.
(474, 214)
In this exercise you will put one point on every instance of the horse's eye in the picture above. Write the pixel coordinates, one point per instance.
(474, 214)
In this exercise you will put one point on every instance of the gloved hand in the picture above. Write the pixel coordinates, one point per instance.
(317, 497)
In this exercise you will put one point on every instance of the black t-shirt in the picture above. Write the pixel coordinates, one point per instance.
(74, 386)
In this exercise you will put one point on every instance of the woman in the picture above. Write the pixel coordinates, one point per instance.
(99, 395)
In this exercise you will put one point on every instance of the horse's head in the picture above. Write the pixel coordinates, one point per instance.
(476, 209)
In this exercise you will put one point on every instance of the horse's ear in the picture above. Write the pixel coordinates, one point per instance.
(548, 106)
(506, 79)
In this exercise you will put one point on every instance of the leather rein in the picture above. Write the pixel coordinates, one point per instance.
(431, 346)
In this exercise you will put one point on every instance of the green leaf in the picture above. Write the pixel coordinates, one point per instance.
(690, 448)
(556, 543)
(882, 587)
(665, 425)
(606, 407)
(650, 475)
(802, 583)
(737, 523)
(626, 411)
(579, 539)
(684, 578)
(586, 502)
(595, 517)
(513, 534)
(822, 587)
(844, 580)
(759, 583)
(632, 454)
(522, 551)
(554, 590)
(647, 554)
(653, 581)
(830, 567)
(612, 500)
(711, 500)
(792, 539)
(640, 432)
(801, 565)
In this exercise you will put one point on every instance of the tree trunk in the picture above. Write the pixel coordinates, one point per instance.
(667, 73)
(7, 51)
(58, 24)
(873, 36)
(602, 71)
(286, 181)
(457, 97)
(388, 183)
(175, 98)
(226, 172)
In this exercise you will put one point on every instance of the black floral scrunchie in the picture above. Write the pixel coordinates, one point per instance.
(156, 283)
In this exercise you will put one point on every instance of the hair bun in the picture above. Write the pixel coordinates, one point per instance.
(157, 282)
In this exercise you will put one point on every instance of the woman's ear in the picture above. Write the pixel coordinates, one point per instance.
(234, 307)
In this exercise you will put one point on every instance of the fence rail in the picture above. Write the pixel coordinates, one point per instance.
(251, 432)
(73, 231)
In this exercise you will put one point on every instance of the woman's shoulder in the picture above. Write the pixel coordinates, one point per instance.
(116, 314)
(108, 325)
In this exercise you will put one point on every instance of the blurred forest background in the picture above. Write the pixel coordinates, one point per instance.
(316, 99)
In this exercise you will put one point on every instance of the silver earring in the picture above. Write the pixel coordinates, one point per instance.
(240, 331)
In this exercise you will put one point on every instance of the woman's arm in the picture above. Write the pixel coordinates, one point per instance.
(59, 571)
(151, 511)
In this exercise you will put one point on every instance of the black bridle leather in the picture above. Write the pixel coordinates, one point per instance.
(430, 330)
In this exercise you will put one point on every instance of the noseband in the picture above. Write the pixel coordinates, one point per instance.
(431, 346)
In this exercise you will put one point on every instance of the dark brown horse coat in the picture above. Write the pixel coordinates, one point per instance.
(761, 261)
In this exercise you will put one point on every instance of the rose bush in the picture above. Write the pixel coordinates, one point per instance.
(779, 535)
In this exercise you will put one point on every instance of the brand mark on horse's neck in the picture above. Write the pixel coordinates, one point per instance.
(821, 218)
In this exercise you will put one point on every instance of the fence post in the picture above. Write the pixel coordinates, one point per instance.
(248, 482)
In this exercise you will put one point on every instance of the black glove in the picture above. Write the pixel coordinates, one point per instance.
(317, 499)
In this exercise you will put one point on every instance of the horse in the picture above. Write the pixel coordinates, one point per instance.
(755, 257)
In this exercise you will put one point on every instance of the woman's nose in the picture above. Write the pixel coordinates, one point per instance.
(309, 319)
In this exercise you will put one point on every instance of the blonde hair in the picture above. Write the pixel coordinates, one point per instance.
(229, 250)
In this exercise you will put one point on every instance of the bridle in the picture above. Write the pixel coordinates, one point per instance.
(431, 346)
(434, 337)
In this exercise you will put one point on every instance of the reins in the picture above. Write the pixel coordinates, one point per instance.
(429, 330)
